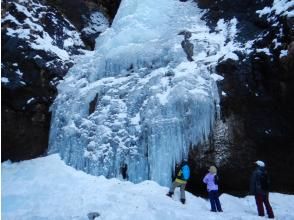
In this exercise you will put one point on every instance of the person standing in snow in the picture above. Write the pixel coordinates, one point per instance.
(211, 180)
(124, 171)
(182, 176)
(259, 187)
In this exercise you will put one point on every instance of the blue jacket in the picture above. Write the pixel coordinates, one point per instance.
(183, 174)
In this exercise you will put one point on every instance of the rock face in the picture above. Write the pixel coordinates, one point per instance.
(256, 104)
(38, 45)
(88, 16)
(187, 45)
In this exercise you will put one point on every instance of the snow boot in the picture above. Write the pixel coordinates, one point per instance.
(93, 215)
(183, 201)
(170, 194)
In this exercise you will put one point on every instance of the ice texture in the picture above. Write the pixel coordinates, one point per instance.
(136, 99)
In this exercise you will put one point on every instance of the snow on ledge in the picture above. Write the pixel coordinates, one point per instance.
(4, 80)
(280, 8)
(216, 77)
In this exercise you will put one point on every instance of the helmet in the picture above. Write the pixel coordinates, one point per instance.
(260, 163)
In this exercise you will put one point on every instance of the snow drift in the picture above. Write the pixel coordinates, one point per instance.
(45, 188)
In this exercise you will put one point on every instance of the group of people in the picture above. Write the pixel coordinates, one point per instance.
(259, 187)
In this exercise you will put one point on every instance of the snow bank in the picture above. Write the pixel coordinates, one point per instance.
(45, 188)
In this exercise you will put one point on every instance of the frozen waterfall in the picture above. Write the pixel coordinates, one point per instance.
(136, 99)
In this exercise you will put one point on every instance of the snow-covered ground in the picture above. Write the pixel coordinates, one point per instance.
(46, 188)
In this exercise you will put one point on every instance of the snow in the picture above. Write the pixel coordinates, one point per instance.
(30, 100)
(22, 33)
(97, 23)
(277, 44)
(46, 43)
(45, 188)
(135, 120)
(33, 25)
(264, 50)
(11, 18)
(18, 72)
(31, 30)
(4, 80)
(264, 11)
(73, 38)
(283, 53)
(217, 77)
(23, 9)
(37, 57)
(280, 8)
(248, 47)
(139, 68)
(231, 56)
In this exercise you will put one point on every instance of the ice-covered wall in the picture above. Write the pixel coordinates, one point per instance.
(150, 103)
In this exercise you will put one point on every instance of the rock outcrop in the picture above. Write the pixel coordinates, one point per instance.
(39, 43)
(256, 98)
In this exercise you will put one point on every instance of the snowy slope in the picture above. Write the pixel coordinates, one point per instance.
(45, 188)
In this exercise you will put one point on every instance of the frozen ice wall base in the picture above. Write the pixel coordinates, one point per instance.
(136, 100)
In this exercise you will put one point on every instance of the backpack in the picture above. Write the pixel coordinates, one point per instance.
(264, 183)
(216, 179)
(185, 172)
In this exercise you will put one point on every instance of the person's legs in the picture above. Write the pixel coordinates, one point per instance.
(212, 201)
(268, 207)
(183, 198)
(217, 202)
(259, 204)
(182, 189)
(172, 188)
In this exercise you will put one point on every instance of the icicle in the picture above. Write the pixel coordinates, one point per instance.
(152, 103)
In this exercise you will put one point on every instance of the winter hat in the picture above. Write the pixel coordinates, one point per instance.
(212, 169)
(260, 163)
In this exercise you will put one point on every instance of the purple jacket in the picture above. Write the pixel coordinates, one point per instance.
(209, 180)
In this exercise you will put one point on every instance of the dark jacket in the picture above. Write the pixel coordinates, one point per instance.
(259, 183)
(177, 169)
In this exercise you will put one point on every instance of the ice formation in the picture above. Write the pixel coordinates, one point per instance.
(136, 99)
